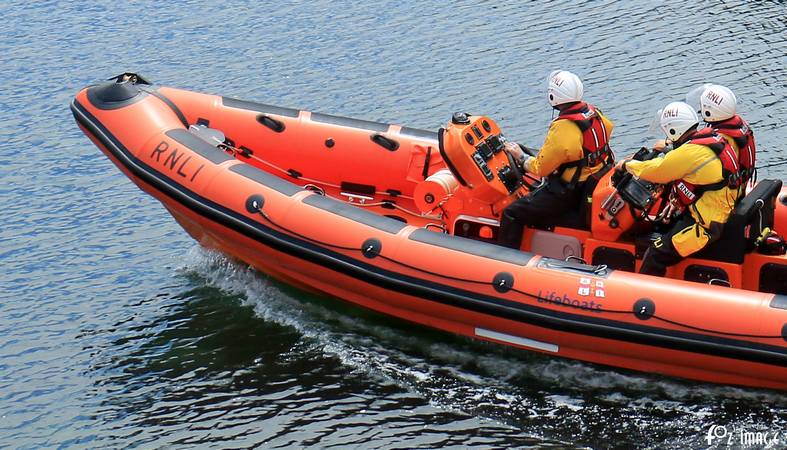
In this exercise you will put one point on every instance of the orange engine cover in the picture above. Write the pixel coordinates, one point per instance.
(611, 216)
(473, 148)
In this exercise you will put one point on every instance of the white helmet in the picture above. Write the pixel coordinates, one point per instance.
(717, 103)
(564, 87)
(676, 119)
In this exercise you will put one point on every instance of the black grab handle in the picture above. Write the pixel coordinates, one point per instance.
(270, 122)
(385, 142)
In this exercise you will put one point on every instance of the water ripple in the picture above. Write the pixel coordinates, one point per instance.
(115, 334)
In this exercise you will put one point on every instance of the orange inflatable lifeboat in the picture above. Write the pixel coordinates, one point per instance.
(402, 221)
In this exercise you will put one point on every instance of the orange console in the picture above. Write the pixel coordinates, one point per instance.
(474, 150)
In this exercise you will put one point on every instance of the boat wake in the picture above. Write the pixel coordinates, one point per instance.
(567, 400)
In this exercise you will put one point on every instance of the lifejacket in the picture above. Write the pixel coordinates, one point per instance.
(736, 128)
(688, 193)
(595, 139)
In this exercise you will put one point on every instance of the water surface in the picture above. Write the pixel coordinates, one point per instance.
(117, 330)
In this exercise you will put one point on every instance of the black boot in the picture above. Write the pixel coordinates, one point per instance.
(659, 256)
(511, 230)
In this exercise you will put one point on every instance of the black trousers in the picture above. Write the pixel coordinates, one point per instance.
(541, 209)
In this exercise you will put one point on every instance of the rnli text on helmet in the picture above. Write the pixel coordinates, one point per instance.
(714, 97)
(673, 112)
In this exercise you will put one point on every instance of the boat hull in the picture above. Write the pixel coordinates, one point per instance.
(473, 289)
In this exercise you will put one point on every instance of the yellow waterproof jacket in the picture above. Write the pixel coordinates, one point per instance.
(563, 144)
(696, 164)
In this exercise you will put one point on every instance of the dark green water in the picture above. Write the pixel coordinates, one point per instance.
(117, 330)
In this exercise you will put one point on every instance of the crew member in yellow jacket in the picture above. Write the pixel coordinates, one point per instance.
(575, 151)
(699, 168)
(717, 107)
